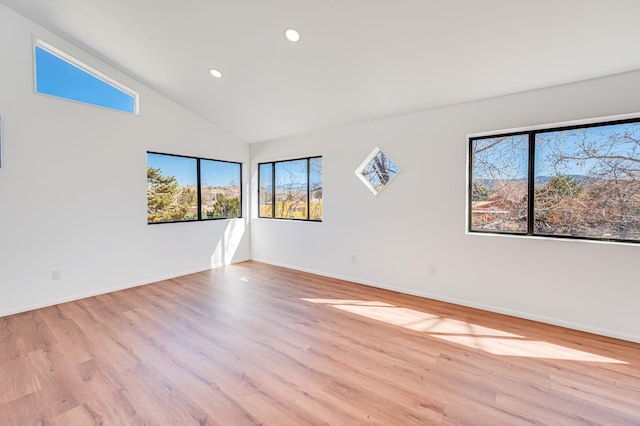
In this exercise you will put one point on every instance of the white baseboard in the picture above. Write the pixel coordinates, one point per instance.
(79, 296)
(462, 302)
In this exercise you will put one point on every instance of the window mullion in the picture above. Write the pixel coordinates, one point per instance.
(199, 189)
(531, 184)
(308, 188)
(273, 190)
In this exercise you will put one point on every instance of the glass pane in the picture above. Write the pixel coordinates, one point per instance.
(291, 189)
(220, 189)
(171, 188)
(315, 188)
(499, 182)
(58, 77)
(377, 171)
(588, 182)
(265, 190)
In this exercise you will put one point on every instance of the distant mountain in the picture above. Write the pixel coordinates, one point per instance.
(493, 183)
(545, 179)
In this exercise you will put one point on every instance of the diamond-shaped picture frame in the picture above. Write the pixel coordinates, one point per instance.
(377, 170)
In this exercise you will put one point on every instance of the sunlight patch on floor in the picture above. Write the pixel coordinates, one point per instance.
(474, 336)
(420, 321)
(527, 348)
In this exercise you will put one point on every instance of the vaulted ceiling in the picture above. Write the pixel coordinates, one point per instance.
(357, 60)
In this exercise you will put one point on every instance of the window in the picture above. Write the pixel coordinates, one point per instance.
(499, 184)
(377, 170)
(291, 189)
(220, 189)
(60, 75)
(183, 189)
(578, 181)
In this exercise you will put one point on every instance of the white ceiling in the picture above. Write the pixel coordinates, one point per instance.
(358, 59)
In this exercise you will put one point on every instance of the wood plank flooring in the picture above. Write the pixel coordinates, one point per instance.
(256, 344)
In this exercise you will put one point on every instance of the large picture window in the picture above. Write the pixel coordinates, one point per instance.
(182, 189)
(578, 181)
(291, 189)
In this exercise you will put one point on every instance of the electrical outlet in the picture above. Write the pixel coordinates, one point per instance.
(354, 258)
(432, 270)
(56, 274)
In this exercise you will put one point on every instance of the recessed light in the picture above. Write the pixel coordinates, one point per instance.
(292, 35)
(216, 73)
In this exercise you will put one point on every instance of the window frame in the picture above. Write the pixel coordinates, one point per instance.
(531, 133)
(273, 189)
(199, 217)
(88, 69)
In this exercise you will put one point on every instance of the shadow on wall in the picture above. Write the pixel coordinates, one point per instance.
(227, 246)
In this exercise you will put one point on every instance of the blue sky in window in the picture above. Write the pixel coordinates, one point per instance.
(502, 157)
(182, 168)
(373, 175)
(291, 174)
(219, 173)
(57, 77)
(315, 173)
(266, 174)
(557, 152)
(613, 142)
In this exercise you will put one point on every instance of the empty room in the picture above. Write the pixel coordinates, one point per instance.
(411, 212)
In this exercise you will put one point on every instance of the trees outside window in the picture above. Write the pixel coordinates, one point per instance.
(265, 190)
(377, 170)
(315, 188)
(576, 182)
(499, 184)
(219, 189)
(291, 189)
(181, 188)
(171, 188)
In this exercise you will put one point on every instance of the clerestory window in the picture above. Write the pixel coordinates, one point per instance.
(60, 75)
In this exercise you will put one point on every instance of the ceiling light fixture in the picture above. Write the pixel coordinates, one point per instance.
(292, 35)
(216, 73)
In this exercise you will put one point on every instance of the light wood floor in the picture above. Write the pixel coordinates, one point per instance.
(257, 344)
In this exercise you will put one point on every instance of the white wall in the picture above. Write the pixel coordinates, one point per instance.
(418, 222)
(72, 197)
(73, 185)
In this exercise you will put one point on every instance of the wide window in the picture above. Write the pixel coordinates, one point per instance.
(59, 74)
(291, 189)
(571, 182)
(182, 189)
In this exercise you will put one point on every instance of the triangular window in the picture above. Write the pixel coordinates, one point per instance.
(60, 75)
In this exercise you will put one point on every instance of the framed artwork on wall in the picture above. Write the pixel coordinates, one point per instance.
(377, 170)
